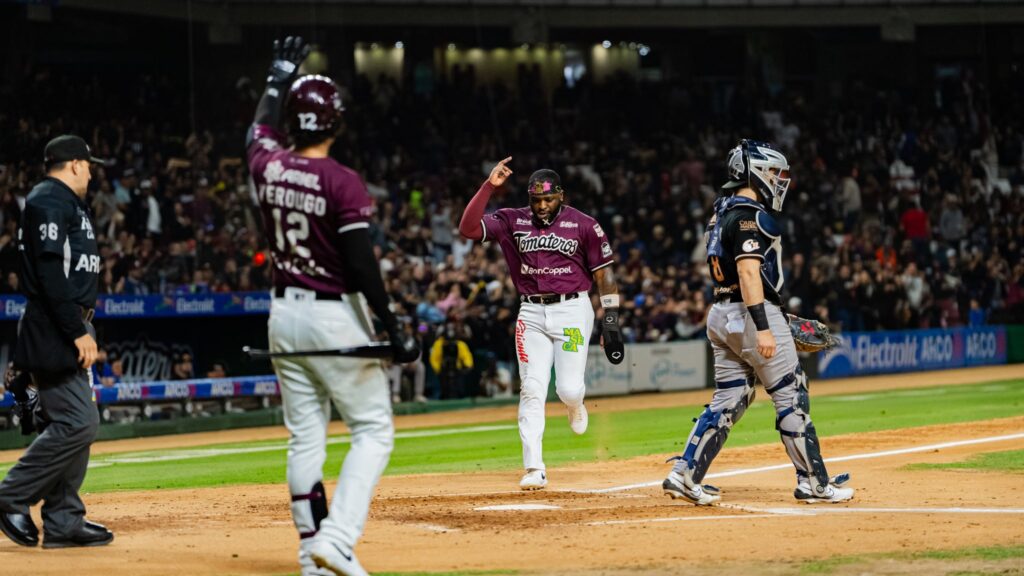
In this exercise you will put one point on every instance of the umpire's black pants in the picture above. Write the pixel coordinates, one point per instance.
(53, 467)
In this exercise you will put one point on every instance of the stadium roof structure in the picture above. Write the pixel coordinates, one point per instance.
(583, 14)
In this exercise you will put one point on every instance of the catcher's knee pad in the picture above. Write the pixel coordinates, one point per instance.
(711, 428)
(799, 436)
(309, 510)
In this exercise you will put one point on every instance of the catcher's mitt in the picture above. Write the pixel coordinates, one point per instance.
(811, 335)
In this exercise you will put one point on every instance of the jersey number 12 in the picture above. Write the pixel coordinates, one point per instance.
(298, 230)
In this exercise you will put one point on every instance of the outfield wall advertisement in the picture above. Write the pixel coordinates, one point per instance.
(914, 350)
(648, 368)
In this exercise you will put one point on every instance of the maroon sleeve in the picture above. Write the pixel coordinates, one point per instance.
(495, 226)
(356, 207)
(598, 249)
(265, 141)
(470, 226)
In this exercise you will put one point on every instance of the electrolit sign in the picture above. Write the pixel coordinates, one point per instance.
(913, 350)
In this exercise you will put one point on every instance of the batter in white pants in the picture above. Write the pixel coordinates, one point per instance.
(550, 334)
(359, 390)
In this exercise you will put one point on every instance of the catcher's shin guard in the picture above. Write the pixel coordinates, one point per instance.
(711, 428)
(799, 436)
(309, 510)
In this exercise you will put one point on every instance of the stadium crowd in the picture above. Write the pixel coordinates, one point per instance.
(905, 210)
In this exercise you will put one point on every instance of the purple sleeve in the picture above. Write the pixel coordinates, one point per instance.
(356, 208)
(495, 226)
(598, 249)
(265, 140)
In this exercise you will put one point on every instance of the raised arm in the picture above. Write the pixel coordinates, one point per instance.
(284, 67)
(470, 226)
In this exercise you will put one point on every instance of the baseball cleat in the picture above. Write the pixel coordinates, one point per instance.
(331, 557)
(578, 419)
(533, 480)
(832, 494)
(677, 487)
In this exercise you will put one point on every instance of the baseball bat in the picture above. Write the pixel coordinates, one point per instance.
(379, 350)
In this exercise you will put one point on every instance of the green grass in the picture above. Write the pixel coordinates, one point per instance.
(611, 436)
(993, 553)
(1011, 461)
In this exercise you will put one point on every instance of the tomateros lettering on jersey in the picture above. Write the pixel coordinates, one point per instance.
(546, 242)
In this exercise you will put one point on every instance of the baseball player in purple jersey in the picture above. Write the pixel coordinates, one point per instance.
(554, 252)
(317, 213)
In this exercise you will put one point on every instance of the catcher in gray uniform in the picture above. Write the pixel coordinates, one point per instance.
(751, 335)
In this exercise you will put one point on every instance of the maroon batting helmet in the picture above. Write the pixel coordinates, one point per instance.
(314, 106)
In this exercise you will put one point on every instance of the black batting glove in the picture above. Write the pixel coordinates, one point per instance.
(404, 347)
(288, 55)
(614, 349)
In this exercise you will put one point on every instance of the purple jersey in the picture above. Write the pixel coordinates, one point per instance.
(306, 203)
(558, 259)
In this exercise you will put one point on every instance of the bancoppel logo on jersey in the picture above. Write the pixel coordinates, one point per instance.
(568, 224)
(598, 230)
(545, 243)
(528, 270)
(275, 172)
(523, 222)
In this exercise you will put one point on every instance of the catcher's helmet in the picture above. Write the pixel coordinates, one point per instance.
(543, 182)
(314, 106)
(759, 165)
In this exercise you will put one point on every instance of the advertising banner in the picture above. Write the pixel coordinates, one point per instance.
(174, 306)
(913, 350)
(668, 366)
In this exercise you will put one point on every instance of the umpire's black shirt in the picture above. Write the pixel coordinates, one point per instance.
(60, 266)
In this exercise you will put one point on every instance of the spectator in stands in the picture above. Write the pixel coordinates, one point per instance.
(181, 367)
(887, 169)
(217, 370)
(116, 370)
(451, 359)
(851, 199)
(417, 371)
(102, 371)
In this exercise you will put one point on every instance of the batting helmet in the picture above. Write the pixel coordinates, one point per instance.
(314, 106)
(544, 182)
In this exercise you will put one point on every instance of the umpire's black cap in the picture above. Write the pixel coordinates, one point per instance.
(68, 147)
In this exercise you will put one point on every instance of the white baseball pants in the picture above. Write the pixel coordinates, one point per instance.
(359, 390)
(550, 334)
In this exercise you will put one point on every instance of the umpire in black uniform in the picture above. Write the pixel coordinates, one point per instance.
(60, 267)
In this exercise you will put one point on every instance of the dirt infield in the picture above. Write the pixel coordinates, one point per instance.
(590, 521)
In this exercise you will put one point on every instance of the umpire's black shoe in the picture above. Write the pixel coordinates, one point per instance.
(90, 534)
(20, 528)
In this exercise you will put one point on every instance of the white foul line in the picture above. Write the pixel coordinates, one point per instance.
(741, 471)
(189, 454)
(780, 512)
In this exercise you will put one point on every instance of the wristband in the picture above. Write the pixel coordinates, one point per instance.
(610, 301)
(757, 313)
